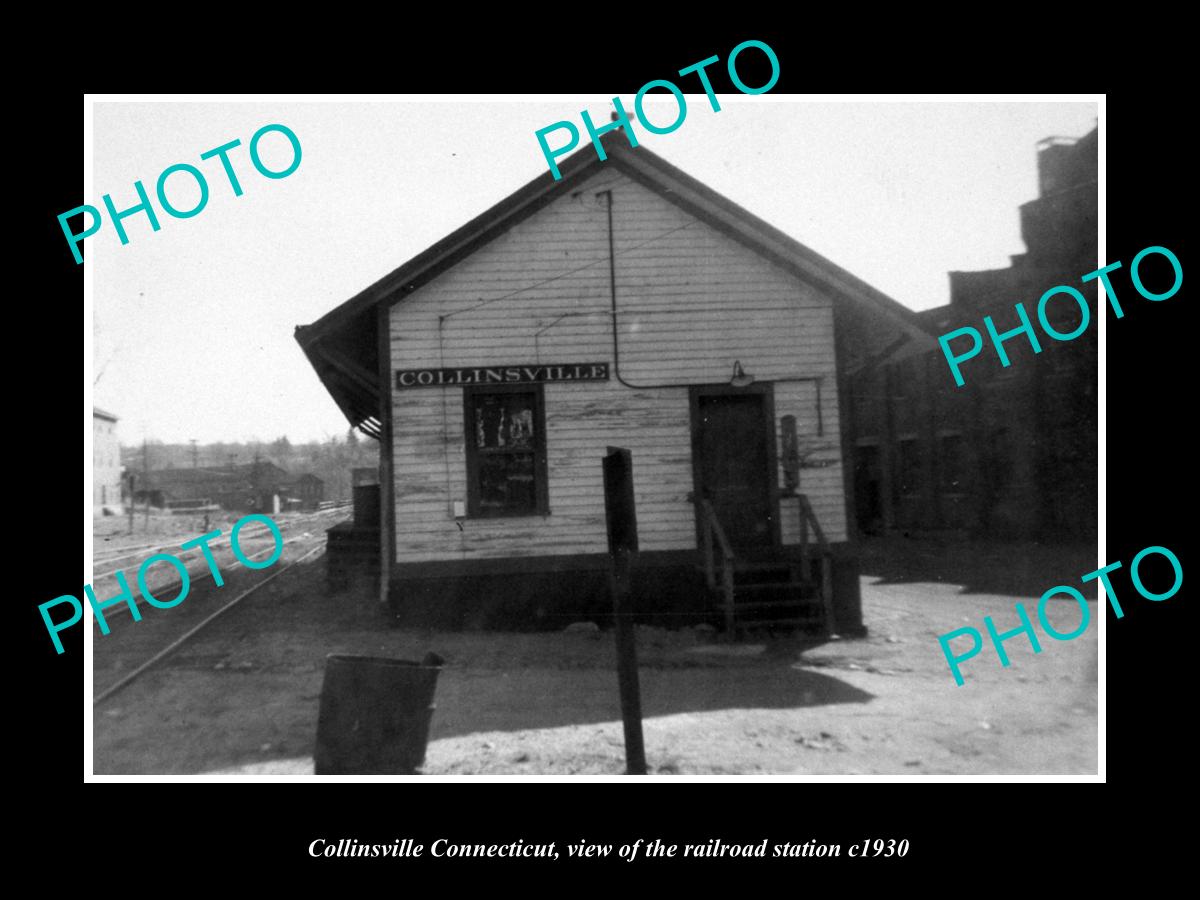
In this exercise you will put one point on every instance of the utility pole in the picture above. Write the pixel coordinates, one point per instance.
(621, 518)
(146, 478)
(195, 456)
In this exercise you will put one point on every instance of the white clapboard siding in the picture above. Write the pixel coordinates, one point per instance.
(691, 301)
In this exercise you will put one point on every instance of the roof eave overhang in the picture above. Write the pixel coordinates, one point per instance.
(358, 402)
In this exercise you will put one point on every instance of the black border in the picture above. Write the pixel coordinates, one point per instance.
(962, 831)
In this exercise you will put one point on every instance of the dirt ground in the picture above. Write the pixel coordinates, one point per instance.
(112, 533)
(242, 697)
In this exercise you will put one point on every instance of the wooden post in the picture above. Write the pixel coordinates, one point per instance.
(727, 585)
(387, 486)
(622, 546)
(707, 537)
(146, 472)
(805, 565)
(827, 591)
(887, 453)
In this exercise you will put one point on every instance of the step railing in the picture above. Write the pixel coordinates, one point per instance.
(808, 519)
(715, 543)
(711, 528)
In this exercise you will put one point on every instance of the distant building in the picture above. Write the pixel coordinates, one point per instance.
(106, 464)
(307, 490)
(251, 487)
(1013, 451)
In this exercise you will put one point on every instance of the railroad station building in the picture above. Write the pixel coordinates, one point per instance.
(625, 305)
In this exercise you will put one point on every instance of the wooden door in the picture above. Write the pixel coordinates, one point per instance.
(734, 459)
(868, 505)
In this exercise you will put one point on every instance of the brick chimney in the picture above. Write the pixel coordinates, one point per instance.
(1055, 164)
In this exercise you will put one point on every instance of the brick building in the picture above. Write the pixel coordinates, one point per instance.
(1013, 451)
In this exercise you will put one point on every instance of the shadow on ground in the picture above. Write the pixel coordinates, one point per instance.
(1018, 568)
(247, 688)
(538, 699)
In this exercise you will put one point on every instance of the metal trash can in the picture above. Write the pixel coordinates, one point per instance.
(374, 715)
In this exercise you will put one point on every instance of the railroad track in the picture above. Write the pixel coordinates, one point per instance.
(287, 528)
(147, 549)
(101, 558)
(197, 567)
(186, 636)
(125, 680)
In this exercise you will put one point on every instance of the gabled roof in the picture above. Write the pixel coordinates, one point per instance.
(343, 345)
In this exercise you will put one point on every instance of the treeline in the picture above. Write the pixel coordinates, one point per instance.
(331, 461)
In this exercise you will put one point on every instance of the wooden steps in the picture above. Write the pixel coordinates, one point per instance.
(773, 594)
(762, 591)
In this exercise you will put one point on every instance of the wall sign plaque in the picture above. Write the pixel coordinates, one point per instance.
(523, 374)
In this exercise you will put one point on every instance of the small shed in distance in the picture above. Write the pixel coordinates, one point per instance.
(307, 490)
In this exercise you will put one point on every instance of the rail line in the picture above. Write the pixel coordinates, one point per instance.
(222, 545)
(126, 552)
(100, 558)
(286, 528)
(186, 636)
(201, 573)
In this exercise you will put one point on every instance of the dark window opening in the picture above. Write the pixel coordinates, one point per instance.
(903, 377)
(996, 464)
(908, 465)
(506, 451)
(951, 464)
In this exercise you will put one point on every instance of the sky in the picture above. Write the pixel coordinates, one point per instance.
(193, 324)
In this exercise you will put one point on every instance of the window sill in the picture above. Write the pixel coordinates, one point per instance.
(477, 517)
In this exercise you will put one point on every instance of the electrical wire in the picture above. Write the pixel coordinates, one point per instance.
(615, 331)
(611, 258)
(554, 278)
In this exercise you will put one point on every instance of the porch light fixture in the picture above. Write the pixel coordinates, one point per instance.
(740, 378)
